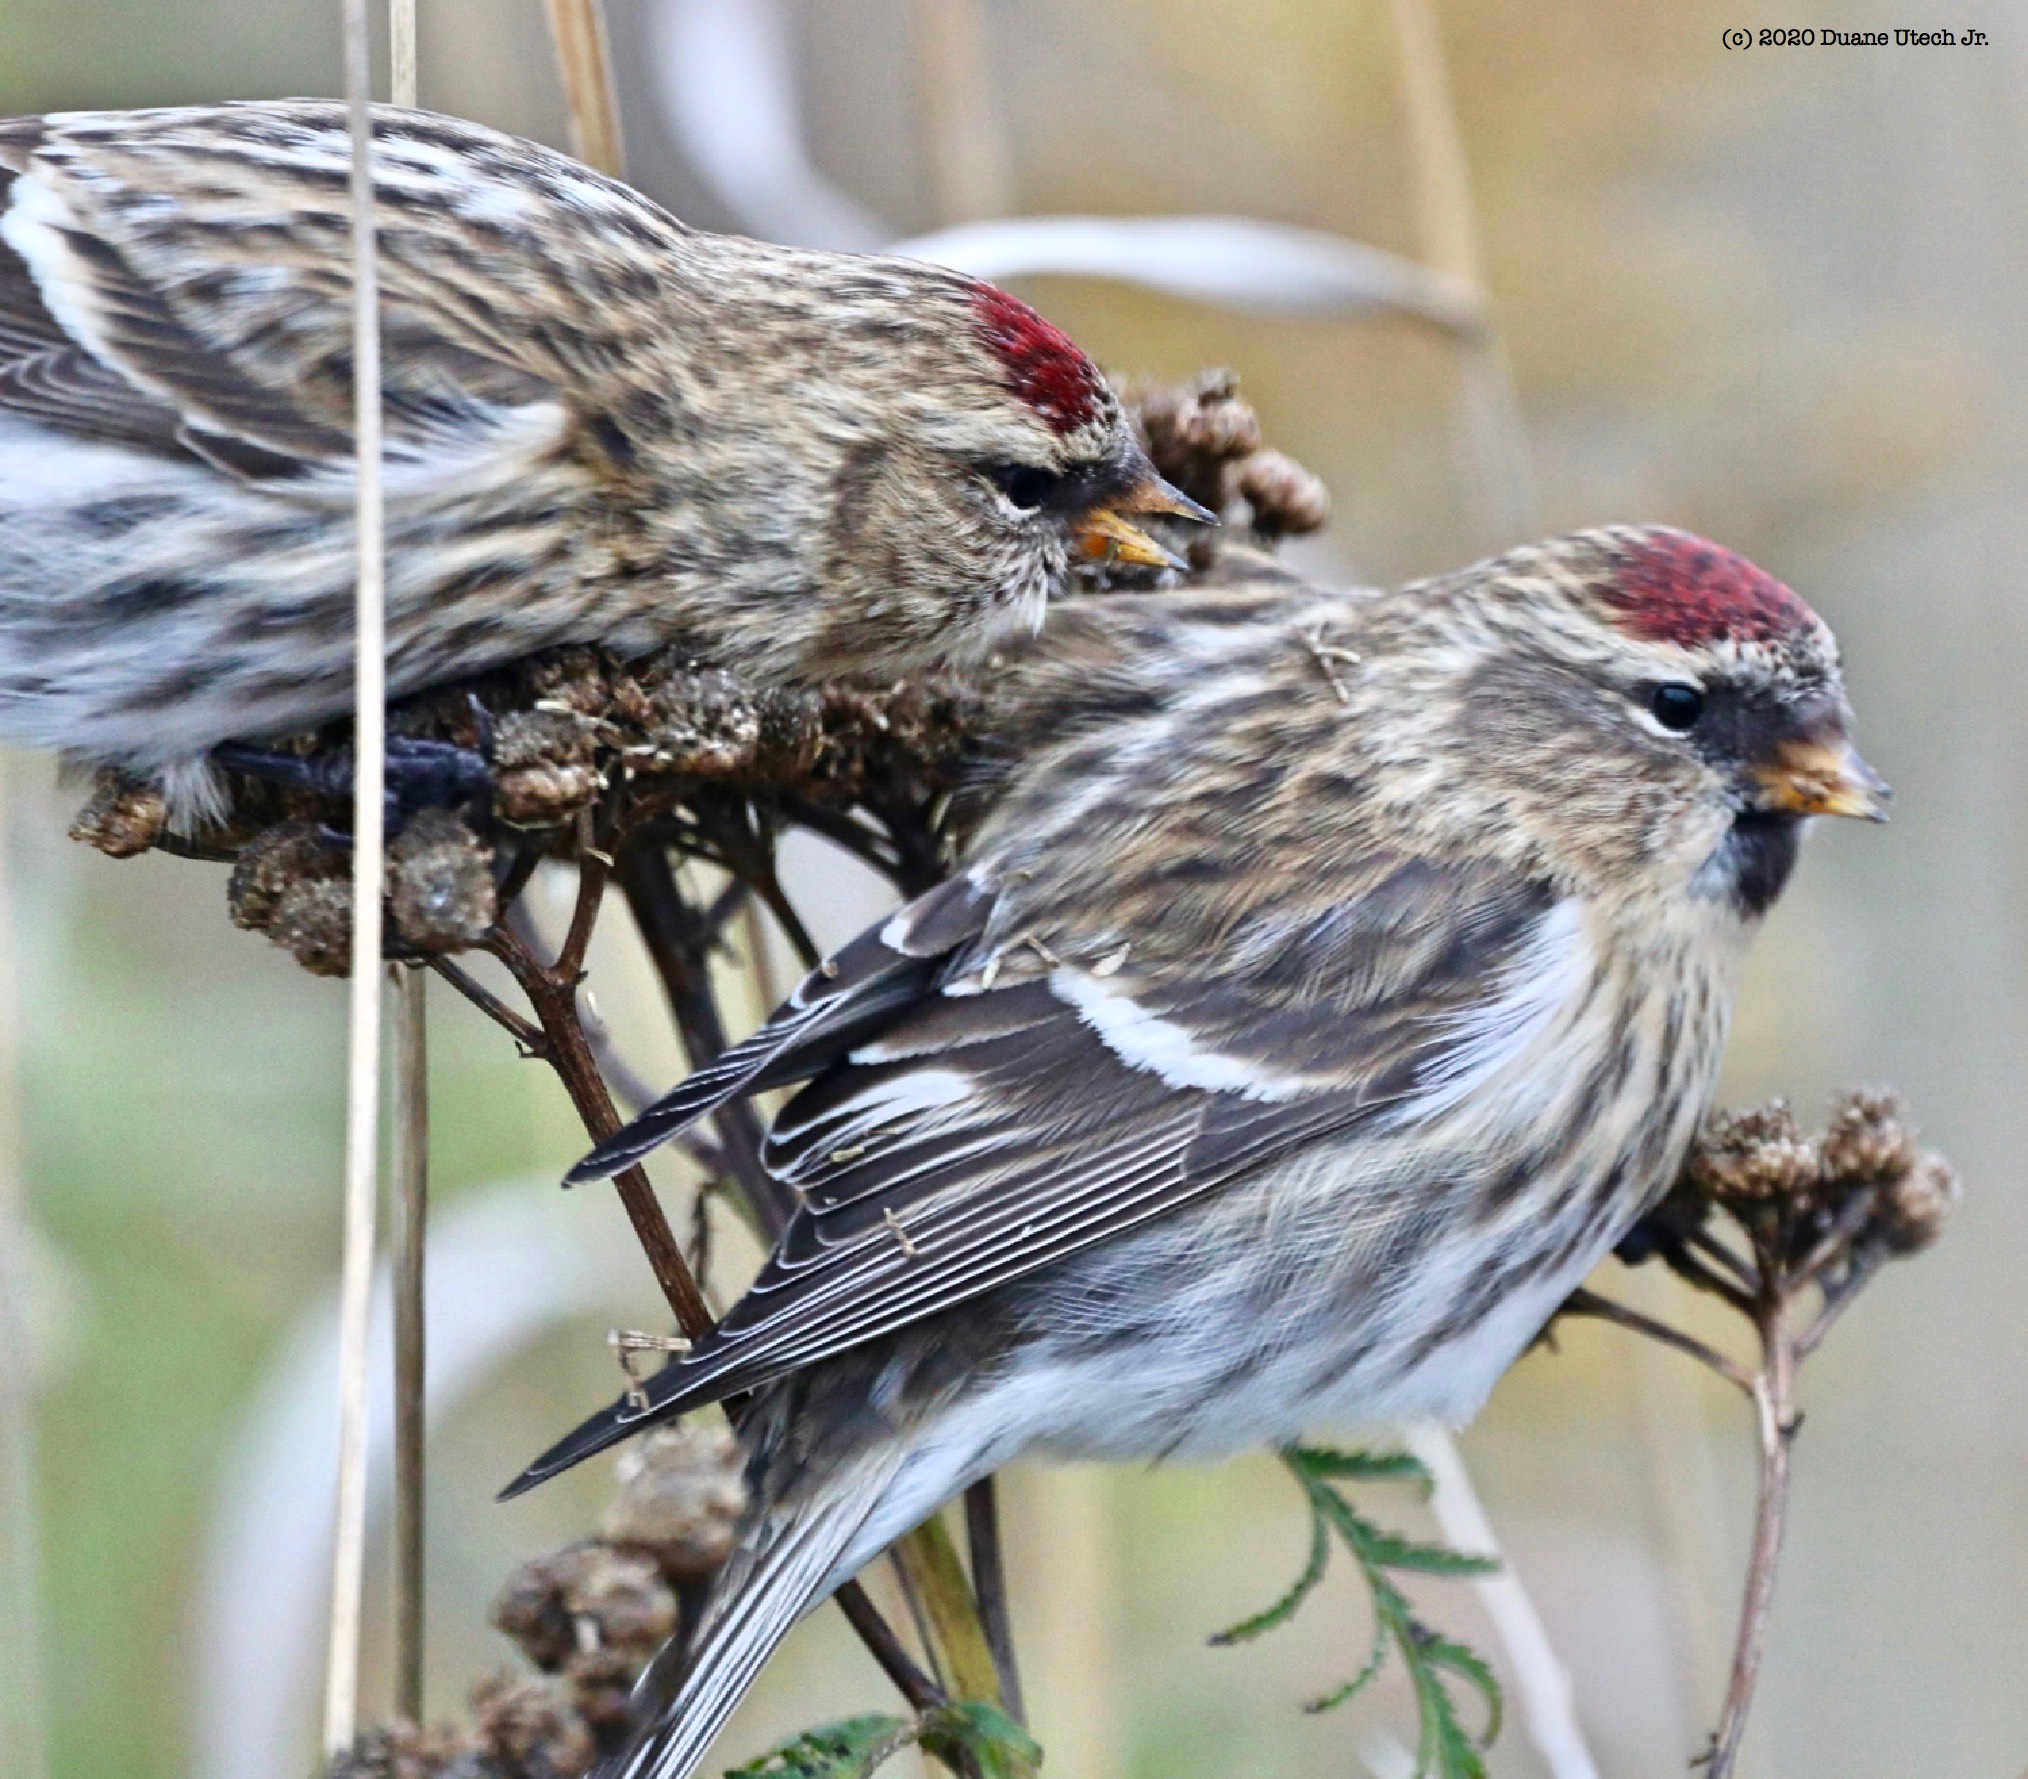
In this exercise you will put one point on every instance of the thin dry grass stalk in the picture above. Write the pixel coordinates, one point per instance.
(411, 1183)
(23, 1701)
(410, 1117)
(964, 148)
(584, 57)
(362, 1117)
(1447, 241)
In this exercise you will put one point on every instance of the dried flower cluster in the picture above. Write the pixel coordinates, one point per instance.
(1824, 1210)
(1784, 1229)
(560, 732)
(588, 1618)
(1203, 437)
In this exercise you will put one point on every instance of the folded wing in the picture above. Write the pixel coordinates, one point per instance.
(994, 1126)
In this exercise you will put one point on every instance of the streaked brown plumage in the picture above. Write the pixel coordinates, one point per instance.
(1333, 979)
(600, 425)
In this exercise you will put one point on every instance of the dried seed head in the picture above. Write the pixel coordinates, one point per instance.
(701, 723)
(544, 766)
(274, 862)
(1194, 429)
(682, 1492)
(123, 817)
(313, 923)
(1867, 1142)
(529, 1727)
(587, 1596)
(1915, 1206)
(1286, 499)
(602, 1684)
(441, 894)
(1753, 1157)
(400, 1751)
(573, 677)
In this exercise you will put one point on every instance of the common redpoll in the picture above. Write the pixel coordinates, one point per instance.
(601, 425)
(1334, 980)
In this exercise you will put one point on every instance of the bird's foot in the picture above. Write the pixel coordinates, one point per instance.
(421, 774)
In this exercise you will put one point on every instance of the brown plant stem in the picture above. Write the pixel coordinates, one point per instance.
(552, 993)
(989, 1589)
(679, 940)
(526, 1034)
(411, 1225)
(921, 1692)
(1585, 1302)
(1775, 1423)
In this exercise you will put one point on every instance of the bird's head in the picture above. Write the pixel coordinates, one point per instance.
(987, 460)
(1655, 701)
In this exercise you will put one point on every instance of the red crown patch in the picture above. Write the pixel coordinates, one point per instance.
(1045, 366)
(1680, 588)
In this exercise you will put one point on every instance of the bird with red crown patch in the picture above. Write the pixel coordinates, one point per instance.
(1332, 981)
(601, 425)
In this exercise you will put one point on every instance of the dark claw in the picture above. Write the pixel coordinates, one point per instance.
(421, 774)
(1642, 1242)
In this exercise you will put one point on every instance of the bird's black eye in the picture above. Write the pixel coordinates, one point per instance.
(1027, 487)
(1676, 705)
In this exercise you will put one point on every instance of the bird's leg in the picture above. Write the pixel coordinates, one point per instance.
(421, 773)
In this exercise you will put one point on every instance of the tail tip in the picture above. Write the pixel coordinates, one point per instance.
(615, 1155)
(520, 1485)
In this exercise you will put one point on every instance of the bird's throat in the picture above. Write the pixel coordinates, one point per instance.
(1758, 855)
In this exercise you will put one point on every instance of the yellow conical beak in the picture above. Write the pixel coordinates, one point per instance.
(1823, 778)
(1105, 534)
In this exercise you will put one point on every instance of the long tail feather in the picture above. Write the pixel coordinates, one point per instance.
(791, 1562)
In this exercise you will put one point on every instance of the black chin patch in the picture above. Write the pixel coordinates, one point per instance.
(1759, 854)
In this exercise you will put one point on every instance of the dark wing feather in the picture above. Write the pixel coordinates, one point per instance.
(189, 392)
(170, 217)
(44, 374)
(852, 996)
(65, 388)
(984, 1136)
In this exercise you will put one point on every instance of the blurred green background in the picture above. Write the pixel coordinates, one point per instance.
(1775, 296)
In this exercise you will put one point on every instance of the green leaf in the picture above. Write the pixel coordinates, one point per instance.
(1321, 1461)
(1393, 1552)
(848, 1750)
(857, 1747)
(1471, 1667)
(1446, 1750)
(1284, 1609)
(1358, 1683)
(1003, 1749)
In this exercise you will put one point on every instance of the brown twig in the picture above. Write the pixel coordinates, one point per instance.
(989, 1589)
(553, 995)
(411, 1225)
(1818, 1216)
(1583, 1302)
(922, 1693)
(679, 942)
(868, 845)
(1775, 1422)
(526, 1034)
(1690, 1268)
